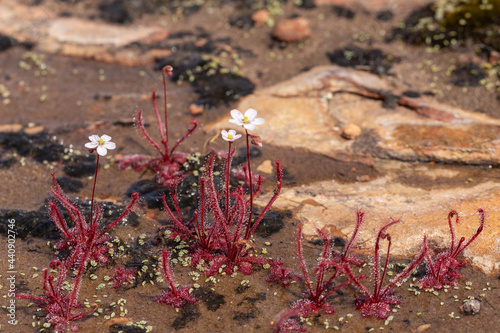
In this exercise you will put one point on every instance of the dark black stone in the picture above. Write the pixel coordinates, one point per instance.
(241, 155)
(121, 328)
(212, 300)
(69, 185)
(41, 147)
(81, 166)
(385, 15)
(35, 223)
(373, 60)
(189, 313)
(115, 12)
(411, 93)
(344, 12)
(243, 21)
(272, 223)
(6, 42)
(6, 163)
(467, 75)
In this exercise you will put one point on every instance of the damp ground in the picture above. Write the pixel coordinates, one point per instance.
(78, 97)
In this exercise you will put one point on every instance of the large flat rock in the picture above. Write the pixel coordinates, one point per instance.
(332, 206)
(310, 111)
(79, 37)
(416, 145)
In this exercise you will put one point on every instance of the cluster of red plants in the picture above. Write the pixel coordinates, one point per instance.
(168, 166)
(442, 269)
(219, 233)
(221, 229)
(86, 242)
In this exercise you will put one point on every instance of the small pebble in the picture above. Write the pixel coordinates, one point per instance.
(351, 131)
(423, 328)
(292, 30)
(10, 128)
(34, 130)
(195, 109)
(260, 17)
(471, 307)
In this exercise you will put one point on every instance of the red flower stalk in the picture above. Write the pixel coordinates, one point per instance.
(87, 240)
(379, 302)
(168, 166)
(176, 296)
(221, 228)
(317, 297)
(442, 270)
(58, 303)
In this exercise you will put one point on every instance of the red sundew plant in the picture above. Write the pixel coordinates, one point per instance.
(280, 274)
(122, 276)
(341, 261)
(175, 296)
(379, 302)
(317, 296)
(168, 166)
(87, 242)
(442, 270)
(222, 226)
(58, 302)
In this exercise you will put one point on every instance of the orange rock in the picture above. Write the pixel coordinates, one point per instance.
(292, 30)
(260, 17)
(195, 109)
(351, 131)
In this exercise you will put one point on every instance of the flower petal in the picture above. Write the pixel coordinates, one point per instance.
(258, 121)
(109, 145)
(101, 150)
(94, 138)
(91, 145)
(249, 127)
(232, 132)
(236, 122)
(105, 137)
(237, 136)
(224, 133)
(237, 115)
(251, 114)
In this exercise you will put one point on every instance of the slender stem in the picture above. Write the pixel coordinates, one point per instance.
(302, 262)
(250, 186)
(452, 232)
(228, 170)
(376, 294)
(166, 109)
(359, 221)
(93, 191)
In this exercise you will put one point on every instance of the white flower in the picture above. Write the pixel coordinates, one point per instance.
(248, 120)
(101, 144)
(230, 135)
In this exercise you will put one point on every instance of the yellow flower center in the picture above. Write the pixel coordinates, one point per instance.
(101, 142)
(229, 136)
(245, 119)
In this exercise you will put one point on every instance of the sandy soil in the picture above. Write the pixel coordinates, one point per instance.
(83, 96)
